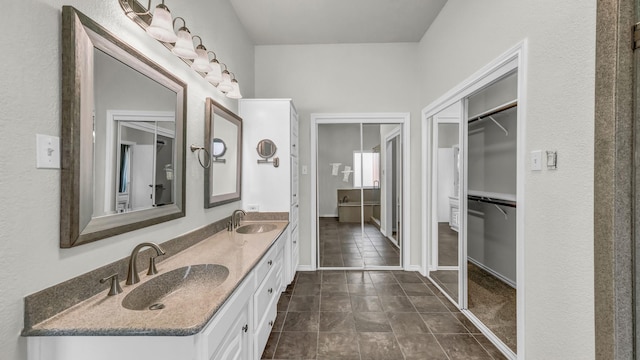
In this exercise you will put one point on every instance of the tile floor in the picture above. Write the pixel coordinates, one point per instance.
(344, 245)
(371, 315)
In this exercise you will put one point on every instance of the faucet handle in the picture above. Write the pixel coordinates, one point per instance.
(152, 266)
(114, 288)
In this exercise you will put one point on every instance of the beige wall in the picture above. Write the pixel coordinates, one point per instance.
(559, 315)
(30, 101)
(340, 79)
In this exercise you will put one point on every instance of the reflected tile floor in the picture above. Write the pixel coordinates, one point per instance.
(371, 315)
(345, 245)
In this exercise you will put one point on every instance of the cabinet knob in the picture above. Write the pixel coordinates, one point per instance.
(271, 323)
(270, 291)
(270, 262)
(245, 328)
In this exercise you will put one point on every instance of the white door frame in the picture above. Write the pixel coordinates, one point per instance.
(513, 59)
(388, 218)
(357, 118)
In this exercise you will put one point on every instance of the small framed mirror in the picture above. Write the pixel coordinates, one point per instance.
(123, 127)
(223, 132)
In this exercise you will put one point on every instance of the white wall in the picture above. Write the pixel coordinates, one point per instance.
(559, 317)
(343, 78)
(30, 101)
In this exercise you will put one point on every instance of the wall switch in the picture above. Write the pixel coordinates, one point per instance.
(253, 208)
(536, 160)
(304, 170)
(552, 160)
(47, 152)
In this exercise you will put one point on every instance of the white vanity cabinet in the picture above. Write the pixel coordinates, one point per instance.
(270, 188)
(238, 331)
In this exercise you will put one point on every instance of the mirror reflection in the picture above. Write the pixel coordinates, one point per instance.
(123, 124)
(134, 139)
(445, 172)
(218, 148)
(224, 139)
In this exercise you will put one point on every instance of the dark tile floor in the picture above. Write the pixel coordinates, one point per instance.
(371, 315)
(345, 245)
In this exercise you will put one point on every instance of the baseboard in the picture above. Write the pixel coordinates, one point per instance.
(417, 268)
(493, 273)
(447, 268)
(305, 268)
(329, 216)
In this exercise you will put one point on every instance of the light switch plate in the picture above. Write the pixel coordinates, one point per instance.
(47, 152)
(304, 170)
(552, 160)
(536, 160)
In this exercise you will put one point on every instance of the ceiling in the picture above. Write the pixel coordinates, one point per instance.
(279, 22)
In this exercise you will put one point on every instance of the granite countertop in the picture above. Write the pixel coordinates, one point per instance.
(103, 315)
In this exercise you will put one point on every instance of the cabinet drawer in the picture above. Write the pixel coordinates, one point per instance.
(264, 329)
(267, 292)
(268, 261)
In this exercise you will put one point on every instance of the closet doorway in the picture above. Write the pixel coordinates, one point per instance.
(473, 186)
(358, 177)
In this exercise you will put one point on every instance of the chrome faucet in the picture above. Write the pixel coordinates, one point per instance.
(132, 275)
(235, 217)
(345, 199)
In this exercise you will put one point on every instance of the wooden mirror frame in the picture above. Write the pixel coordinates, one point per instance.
(214, 108)
(80, 35)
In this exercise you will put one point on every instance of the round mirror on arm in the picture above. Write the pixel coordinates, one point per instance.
(266, 149)
(218, 148)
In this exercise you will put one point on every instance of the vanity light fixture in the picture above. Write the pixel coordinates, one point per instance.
(235, 92)
(225, 85)
(201, 62)
(161, 26)
(184, 45)
(215, 75)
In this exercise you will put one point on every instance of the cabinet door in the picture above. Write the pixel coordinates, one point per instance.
(237, 343)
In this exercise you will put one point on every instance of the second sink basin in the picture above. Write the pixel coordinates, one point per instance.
(156, 293)
(256, 228)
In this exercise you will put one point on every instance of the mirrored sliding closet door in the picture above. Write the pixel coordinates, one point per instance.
(359, 195)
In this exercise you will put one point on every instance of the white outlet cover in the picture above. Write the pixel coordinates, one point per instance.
(47, 152)
(304, 170)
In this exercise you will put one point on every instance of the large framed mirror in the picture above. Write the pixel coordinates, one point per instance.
(223, 140)
(123, 129)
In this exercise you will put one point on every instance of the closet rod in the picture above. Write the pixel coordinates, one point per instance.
(494, 111)
(492, 201)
